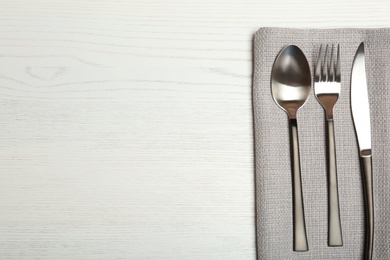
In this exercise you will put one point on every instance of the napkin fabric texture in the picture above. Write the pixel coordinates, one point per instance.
(272, 149)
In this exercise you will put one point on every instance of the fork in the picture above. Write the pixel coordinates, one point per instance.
(327, 90)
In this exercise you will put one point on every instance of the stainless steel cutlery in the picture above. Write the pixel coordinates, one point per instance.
(361, 117)
(291, 86)
(327, 85)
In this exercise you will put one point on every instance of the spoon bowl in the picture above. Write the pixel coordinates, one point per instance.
(291, 80)
(291, 86)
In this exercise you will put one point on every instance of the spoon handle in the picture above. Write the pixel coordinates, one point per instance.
(334, 226)
(300, 238)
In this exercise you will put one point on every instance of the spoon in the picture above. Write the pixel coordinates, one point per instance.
(291, 86)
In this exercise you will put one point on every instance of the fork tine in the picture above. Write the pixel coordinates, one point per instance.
(338, 70)
(331, 68)
(324, 76)
(318, 66)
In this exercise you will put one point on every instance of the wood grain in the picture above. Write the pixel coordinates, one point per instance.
(126, 126)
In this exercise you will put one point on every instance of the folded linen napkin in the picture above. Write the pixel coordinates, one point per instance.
(272, 149)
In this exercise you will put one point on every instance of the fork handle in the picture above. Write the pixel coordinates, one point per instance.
(334, 225)
(300, 238)
(369, 205)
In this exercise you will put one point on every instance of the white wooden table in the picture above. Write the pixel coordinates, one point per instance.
(126, 126)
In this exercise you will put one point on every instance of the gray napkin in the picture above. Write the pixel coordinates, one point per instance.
(272, 150)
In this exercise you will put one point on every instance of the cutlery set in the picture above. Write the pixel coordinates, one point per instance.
(291, 84)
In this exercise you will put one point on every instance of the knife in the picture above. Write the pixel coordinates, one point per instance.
(361, 118)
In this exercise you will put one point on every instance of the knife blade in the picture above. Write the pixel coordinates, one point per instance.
(361, 117)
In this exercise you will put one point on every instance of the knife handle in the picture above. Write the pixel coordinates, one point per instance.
(300, 238)
(369, 205)
(334, 226)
